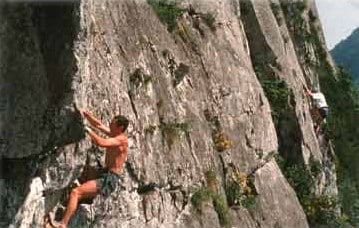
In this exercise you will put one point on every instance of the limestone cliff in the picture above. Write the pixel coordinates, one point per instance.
(194, 77)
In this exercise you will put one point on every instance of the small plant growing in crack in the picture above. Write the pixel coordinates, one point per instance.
(276, 11)
(209, 19)
(171, 131)
(221, 207)
(315, 167)
(137, 79)
(211, 193)
(150, 129)
(179, 74)
(186, 34)
(170, 14)
(220, 140)
(279, 96)
(240, 191)
(201, 196)
(167, 12)
(211, 178)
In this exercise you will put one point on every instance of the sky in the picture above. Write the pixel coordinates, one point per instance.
(339, 18)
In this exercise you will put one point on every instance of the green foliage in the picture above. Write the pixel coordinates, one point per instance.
(211, 193)
(174, 126)
(171, 131)
(346, 53)
(211, 176)
(315, 167)
(201, 196)
(280, 160)
(343, 97)
(349, 196)
(221, 207)
(167, 12)
(300, 178)
(320, 210)
(179, 74)
(209, 19)
(234, 193)
(294, 13)
(301, 5)
(276, 11)
(240, 191)
(219, 202)
(250, 202)
(298, 26)
(279, 95)
(238, 195)
(221, 141)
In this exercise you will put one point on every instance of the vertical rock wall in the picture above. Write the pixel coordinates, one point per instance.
(185, 92)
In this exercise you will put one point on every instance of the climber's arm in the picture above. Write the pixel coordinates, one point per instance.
(95, 122)
(309, 93)
(109, 142)
(104, 129)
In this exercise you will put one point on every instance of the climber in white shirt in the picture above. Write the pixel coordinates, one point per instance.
(320, 107)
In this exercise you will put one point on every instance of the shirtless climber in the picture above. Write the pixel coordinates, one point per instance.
(116, 152)
(320, 108)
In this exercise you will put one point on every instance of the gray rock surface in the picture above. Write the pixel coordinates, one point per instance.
(177, 88)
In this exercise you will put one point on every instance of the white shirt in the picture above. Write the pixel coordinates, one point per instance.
(319, 100)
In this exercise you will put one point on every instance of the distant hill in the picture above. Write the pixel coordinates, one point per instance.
(346, 53)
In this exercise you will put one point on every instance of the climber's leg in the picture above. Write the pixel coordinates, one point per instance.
(86, 190)
(316, 119)
(317, 128)
(323, 113)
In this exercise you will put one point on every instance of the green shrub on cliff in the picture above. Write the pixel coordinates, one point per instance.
(343, 98)
(278, 95)
(167, 12)
(211, 193)
(210, 19)
(320, 210)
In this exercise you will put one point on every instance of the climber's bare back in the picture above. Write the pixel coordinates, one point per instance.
(116, 156)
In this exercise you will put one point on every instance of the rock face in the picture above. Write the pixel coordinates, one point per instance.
(193, 94)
